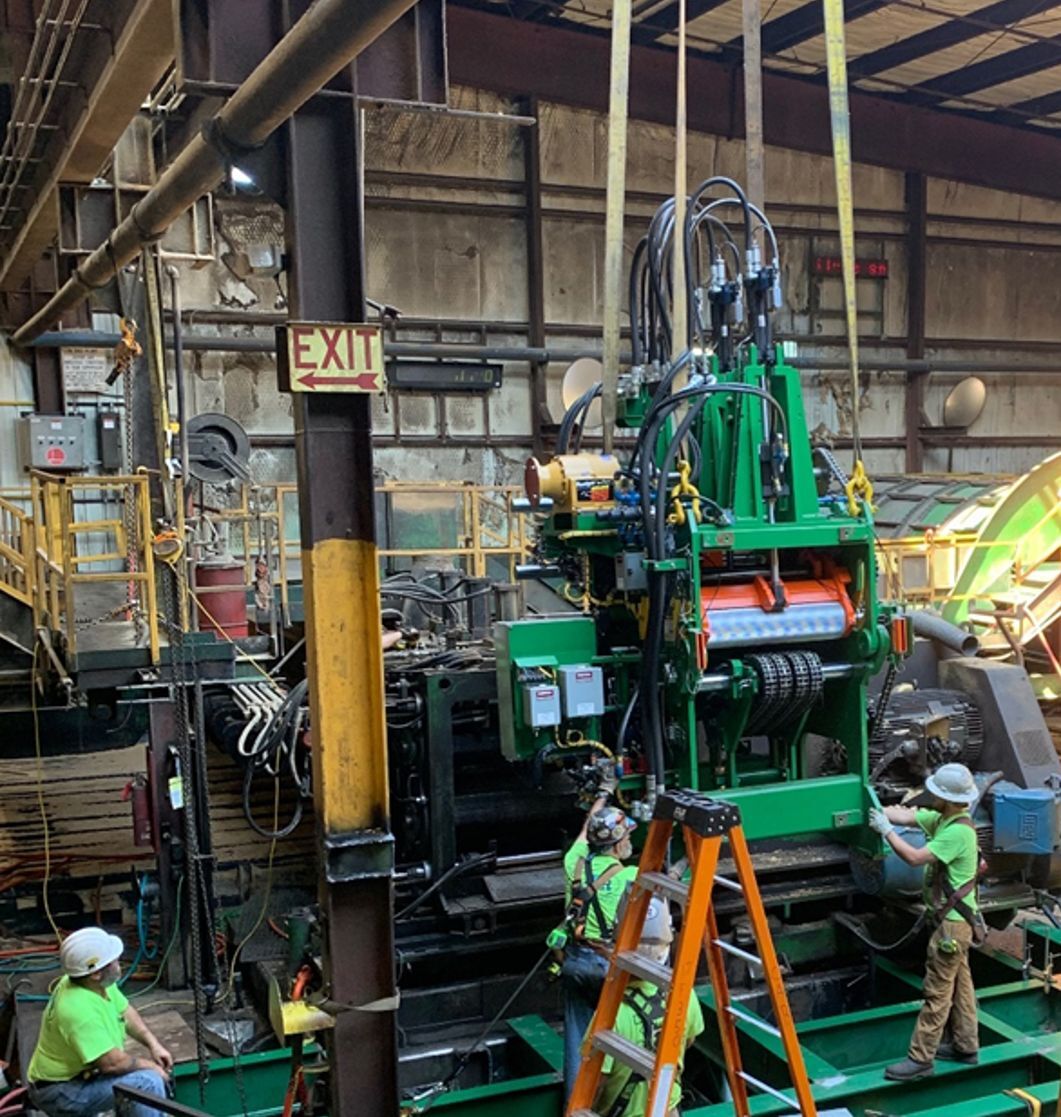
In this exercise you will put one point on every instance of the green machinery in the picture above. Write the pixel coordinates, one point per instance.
(724, 568)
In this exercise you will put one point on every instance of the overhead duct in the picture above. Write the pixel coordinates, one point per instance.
(328, 37)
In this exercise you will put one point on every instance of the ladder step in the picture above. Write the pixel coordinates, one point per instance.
(753, 1021)
(732, 885)
(767, 1089)
(583, 1113)
(663, 885)
(629, 1054)
(736, 951)
(645, 968)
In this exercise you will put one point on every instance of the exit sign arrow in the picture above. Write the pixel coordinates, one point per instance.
(364, 381)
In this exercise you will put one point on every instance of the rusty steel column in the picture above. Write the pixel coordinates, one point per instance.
(333, 450)
(916, 245)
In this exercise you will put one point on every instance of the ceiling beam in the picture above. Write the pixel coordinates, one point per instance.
(807, 22)
(1021, 111)
(665, 21)
(141, 52)
(1028, 59)
(495, 52)
(949, 33)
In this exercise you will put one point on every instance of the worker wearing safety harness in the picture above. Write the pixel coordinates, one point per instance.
(952, 868)
(640, 1019)
(597, 880)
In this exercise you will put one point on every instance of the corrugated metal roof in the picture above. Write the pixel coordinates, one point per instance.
(966, 55)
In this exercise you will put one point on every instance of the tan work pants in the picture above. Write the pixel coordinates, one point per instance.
(949, 996)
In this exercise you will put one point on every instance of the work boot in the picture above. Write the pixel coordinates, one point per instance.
(949, 1053)
(908, 1071)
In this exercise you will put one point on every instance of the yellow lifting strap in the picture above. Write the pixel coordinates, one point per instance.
(1035, 1106)
(684, 487)
(859, 486)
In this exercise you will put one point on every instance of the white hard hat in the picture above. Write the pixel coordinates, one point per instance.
(953, 783)
(88, 950)
(657, 930)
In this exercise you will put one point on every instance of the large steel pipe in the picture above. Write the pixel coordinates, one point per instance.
(328, 37)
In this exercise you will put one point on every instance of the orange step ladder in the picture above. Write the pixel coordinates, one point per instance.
(705, 824)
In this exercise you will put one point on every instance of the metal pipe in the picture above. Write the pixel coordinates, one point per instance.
(328, 37)
(210, 343)
(943, 632)
(178, 367)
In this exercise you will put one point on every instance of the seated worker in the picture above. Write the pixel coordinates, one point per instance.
(951, 858)
(594, 870)
(640, 1020)
(80, 1055)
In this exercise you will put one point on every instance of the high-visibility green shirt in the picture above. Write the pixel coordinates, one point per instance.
(630, 1026)
(610, 893)
(77, 1028)
(953, 844)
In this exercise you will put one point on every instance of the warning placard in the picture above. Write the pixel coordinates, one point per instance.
(330, 357)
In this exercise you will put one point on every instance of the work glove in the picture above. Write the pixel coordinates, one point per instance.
(879, 821)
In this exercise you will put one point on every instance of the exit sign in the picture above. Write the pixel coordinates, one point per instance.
(864, 269)
(325, 357)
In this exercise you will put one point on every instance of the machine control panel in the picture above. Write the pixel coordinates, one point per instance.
(583, 691)
(541, 705)
(52, 442)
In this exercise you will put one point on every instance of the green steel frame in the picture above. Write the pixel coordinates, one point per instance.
(1020, 1029)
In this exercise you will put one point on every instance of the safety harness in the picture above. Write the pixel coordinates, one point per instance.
(946, 898)
(585, 894)
(649, 1012)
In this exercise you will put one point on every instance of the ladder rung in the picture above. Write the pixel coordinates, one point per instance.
(664, 885)
(732, 885)
(767, 1089)
(629, 1054)
(646, 968)
(729, 948)
(754, 1021)
(583, 1113)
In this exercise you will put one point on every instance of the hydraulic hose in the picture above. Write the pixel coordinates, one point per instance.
(934, 627)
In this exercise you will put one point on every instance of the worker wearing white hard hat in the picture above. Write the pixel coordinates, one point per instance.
(80, 1055)
(640, 1020)
(951, 859)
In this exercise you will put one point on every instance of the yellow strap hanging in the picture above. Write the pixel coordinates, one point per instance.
(840, 122)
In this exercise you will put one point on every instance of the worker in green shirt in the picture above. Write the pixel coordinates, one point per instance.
(597, 879)
(951, 859)
(640, 1020)
(80, 1055)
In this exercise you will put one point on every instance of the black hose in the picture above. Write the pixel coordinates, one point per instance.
(856, 928)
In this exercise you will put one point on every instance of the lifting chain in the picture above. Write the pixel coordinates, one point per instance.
(173, 590)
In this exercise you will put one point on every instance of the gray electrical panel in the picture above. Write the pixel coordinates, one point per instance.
(541, 705)
(55, 443)
(583, 691)
(109, 436)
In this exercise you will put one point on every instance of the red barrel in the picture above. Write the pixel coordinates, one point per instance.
(220, 587)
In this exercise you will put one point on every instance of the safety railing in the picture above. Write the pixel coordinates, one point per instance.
(70, 592)
(922, 569)
(16, 552)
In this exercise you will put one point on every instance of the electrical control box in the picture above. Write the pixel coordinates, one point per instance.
(109, 437)
(630, 573)
(582, 687)
(1025, 819)
(55, 443)
(541, 705)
